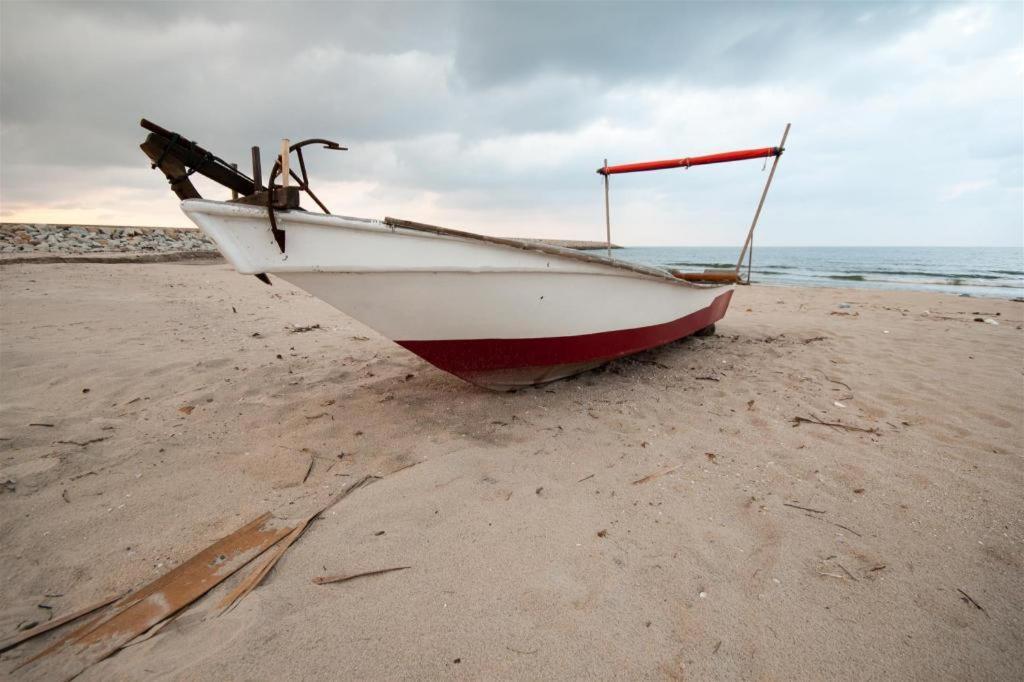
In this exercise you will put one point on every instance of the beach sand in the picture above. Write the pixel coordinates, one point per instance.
(766, 550)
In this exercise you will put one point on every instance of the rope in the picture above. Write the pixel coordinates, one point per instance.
(160, 159)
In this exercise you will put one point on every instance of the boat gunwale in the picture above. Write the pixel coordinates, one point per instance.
(540, 247)
(395, 224)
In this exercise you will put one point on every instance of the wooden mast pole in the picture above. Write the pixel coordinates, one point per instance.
(757, 214)
(750, 258)
(285, 152)
(607, 214)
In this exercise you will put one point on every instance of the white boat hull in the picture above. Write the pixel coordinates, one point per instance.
(493, 313)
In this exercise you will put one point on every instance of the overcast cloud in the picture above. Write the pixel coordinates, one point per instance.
(908, 119)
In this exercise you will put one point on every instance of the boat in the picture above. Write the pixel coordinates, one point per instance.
(499, 313)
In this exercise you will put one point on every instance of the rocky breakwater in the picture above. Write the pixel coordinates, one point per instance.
(22, 238)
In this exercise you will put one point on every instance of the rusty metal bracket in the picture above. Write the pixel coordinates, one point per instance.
(274, 229)
(304, 180)
(179, 159)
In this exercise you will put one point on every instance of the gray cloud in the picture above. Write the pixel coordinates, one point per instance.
(726, 43)
(906, 116)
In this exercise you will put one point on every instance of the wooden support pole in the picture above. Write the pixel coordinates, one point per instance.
(234, 192)
(748, 243)
(750, 258)
(285, 153)
(607, 214)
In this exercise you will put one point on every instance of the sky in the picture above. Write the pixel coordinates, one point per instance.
(907, 118)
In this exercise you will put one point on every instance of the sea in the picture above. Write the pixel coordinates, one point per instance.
(996, 272)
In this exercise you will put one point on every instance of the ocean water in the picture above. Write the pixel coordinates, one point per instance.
(984, 271)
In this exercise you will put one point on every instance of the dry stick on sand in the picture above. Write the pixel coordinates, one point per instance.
(655, 475)
(797, 506)
(839, 525)
(83, 443)
(797, 421)
(327, 579)
(821, 511)
(968, 599)
(839, 383)
(404, 467)
(829, 574)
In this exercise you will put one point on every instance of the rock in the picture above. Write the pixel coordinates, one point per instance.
(47, 238)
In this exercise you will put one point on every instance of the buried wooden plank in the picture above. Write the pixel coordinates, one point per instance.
(268, 561)
(14, 641)
(261, 569)
(165, 596)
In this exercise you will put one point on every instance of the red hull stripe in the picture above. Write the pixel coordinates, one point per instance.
(474, 355)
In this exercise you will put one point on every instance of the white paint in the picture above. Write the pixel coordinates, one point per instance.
(413, 285)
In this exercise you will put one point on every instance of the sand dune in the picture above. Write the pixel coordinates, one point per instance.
(172, 404)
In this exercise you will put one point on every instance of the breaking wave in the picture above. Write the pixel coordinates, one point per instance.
(949, 281)
(925, 273)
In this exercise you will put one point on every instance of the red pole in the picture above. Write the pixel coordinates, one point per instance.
(724, 157)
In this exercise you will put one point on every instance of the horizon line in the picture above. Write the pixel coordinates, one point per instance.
(623, 246)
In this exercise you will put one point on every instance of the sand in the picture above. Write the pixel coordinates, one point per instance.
(533, 552)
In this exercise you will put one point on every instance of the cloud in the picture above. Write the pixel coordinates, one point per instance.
(967, 187)
(708, 44)
(493, 117)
